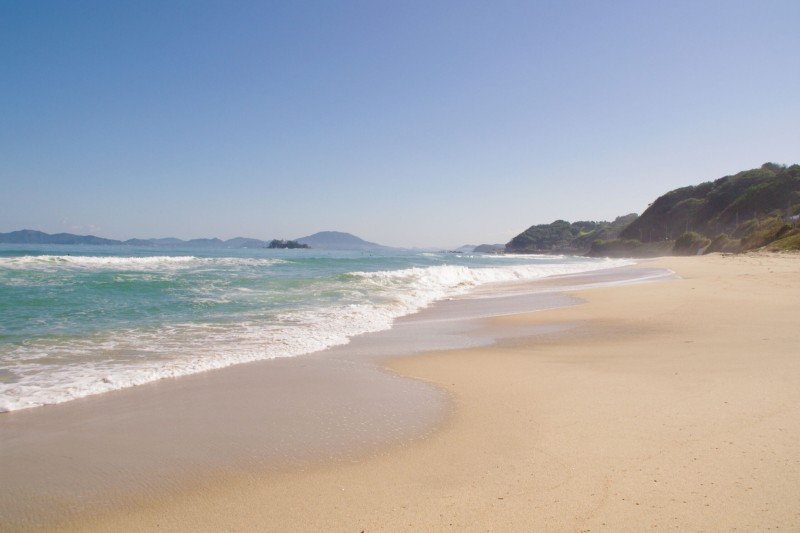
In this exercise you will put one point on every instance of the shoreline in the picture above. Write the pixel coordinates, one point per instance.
(671, 405)
(135, 445)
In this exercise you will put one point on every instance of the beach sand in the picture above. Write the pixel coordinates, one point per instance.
(665, 406)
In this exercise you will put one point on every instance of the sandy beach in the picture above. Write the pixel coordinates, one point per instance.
(672, 405)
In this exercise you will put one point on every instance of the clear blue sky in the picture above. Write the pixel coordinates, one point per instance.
(408, 123)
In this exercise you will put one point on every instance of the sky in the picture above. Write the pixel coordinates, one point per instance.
(407, 123)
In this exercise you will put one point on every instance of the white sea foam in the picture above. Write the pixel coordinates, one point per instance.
(82, 367)
(115, 263)
(446, 278)
(48, 371)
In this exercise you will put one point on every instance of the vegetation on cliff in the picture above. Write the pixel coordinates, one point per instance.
(758, 208)
(565, 237)
(726, 205)
(752, 209)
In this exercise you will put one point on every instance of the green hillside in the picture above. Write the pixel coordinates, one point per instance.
(758, 208)
(736, 213)
(721, 206)
(565, 237)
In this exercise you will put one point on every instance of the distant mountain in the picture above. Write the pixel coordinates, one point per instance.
(245, 242)
(27, 236)
(336, 240)
(325, 240)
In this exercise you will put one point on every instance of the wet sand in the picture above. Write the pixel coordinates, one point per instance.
(672, 405)
(126, 448)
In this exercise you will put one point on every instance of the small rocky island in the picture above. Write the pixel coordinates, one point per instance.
(280, 243)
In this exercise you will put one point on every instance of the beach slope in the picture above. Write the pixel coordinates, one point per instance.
(670, 406)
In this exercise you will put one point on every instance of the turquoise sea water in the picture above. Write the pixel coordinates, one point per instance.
(81, 320)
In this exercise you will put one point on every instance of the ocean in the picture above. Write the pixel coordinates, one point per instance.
(83, 320)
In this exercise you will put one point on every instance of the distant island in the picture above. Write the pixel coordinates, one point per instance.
(324, 240)
(280, 243)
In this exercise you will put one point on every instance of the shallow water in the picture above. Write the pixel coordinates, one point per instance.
(82, 320)
(145, 443)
